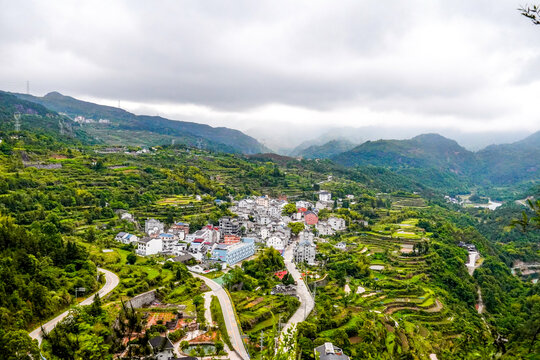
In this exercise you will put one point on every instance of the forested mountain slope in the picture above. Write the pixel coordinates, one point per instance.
(129, 129)
(430, 156)
(326, 150)
(510, 163)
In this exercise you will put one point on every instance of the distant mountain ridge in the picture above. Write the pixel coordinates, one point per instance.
(428, 156)
(325, 151)
(126, 127)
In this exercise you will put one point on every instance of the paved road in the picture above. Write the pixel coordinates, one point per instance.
(111, 281)
(306, 300)
(233, 328)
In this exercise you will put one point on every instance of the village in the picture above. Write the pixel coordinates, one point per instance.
(258, 223)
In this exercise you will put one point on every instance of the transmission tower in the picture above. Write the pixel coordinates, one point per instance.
(17, 117)
(199, 143)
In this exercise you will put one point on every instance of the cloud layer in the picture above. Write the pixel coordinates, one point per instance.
(461, 65)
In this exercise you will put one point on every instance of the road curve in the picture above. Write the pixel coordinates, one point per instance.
(111, 281)
(233, 328)
(306, 300)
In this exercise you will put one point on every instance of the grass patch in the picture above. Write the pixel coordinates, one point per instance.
(217, 316)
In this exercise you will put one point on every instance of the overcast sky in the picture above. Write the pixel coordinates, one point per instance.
(284, 69)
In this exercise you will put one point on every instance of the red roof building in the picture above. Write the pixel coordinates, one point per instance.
(311, 218)
(281, 274)
(230, 239)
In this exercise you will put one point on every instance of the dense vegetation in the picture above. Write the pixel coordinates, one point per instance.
(441, 163)
(58, 200)
(129, 129)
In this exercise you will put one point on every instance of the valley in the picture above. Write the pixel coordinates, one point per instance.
(298, 253)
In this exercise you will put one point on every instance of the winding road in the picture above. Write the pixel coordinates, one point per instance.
(306, 300)
(233, 328)
(111, 281)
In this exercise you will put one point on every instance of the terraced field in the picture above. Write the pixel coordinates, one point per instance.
(397, 292)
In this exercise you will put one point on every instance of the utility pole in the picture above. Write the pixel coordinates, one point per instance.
(261, 346)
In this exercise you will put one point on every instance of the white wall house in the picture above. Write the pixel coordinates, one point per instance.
(325, 196)
(305, 251)
(126, 238)
(265, 233)
(276, 242)
(324, 229)
(149, 246)
(169, 240)
(336, 223)
(306, 235)
(153, 227)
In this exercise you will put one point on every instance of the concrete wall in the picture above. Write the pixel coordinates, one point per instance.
(142, 300)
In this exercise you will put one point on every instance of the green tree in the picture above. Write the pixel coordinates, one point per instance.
(131, 258)
(296, 227)
(289, 209)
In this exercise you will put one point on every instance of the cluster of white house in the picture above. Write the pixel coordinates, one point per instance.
(259, 219)
(262, 218)
(177, 241)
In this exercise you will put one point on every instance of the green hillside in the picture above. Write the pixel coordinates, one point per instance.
(442, 163)
(326, 150)
(141, 130)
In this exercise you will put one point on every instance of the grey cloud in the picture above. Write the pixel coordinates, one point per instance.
(244, 54)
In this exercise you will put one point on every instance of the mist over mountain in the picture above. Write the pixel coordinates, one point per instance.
(291, 142)
(322, 151)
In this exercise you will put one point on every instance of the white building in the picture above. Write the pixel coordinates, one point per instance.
(263, 201)
(324, 229)
(126, 216)
(149, 246)
(153, 227)
(306, 235)
(325, 196)
(336, 223)
(276, 242)
(305, 252)
(208, 233)
(303, 204)
(324, 205)
(264, 220)
(232, 254)
(179, 248)
(264, 233)
(126, 238)
(168, 240)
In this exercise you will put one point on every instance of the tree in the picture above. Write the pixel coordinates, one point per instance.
(296, 227)
(131, 258)
(219, 347)
(95, 308)
(527, 222)
(532, 13)
(17, 345)
(289, 209)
